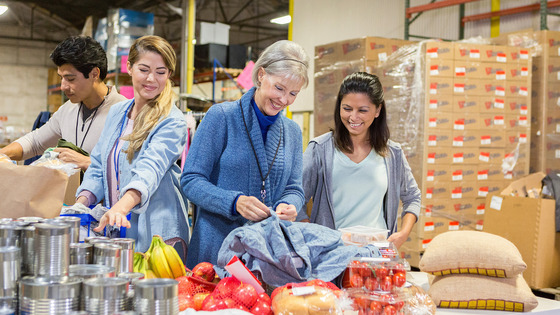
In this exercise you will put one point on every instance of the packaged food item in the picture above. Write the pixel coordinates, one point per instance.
(375, 274)
(419, 302)
(311, 297)
(377, 302)
(362, 235)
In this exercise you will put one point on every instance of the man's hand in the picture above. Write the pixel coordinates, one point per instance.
(71, 156)
(252, 208)
(286, 212)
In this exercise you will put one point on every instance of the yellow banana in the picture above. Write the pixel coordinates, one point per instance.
(138, 258)
(150, 274)
(159, 264)
(176, 265)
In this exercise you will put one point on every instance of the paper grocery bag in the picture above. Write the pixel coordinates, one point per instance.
(31, 191)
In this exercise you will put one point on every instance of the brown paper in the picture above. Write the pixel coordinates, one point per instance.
(31, 191)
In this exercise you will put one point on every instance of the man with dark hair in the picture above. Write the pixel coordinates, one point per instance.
(82, 65)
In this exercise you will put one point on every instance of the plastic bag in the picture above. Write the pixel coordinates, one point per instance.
(310, 297)
(50, 159)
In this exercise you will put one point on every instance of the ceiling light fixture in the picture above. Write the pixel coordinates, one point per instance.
(282, 20)
(3, 8)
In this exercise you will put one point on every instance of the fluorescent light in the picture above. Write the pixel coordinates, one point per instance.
(282, 20)
(3, 9)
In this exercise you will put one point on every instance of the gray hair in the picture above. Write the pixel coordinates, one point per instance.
(283, 58)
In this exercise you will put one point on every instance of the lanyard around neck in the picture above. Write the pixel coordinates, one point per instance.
(116, 152)
(263, 178)
(90, 123)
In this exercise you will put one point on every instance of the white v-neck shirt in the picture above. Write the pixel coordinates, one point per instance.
(358, 190)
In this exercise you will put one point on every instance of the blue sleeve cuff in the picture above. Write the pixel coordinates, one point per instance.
(233, 206)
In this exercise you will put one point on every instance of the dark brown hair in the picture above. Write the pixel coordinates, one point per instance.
(365, 83)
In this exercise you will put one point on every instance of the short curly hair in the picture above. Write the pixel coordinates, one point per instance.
(82, 52)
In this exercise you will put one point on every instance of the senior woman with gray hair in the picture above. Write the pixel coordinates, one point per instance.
(246, 158)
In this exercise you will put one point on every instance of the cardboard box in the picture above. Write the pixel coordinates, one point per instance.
(438, 138)
(438, 155)
(464, 155)
(466, 103)
(440, 120)
(518, 122)
(439, 86)
(440, 68)
(490, 156)
(493, 121)
(439, 103)
(518, 72)
(488, 138)
(466, 121)
(529, 223)
(439, 50)
(480, 70)
(479, 87)
(517, 105)
(492, 104)
(465, 51)
(518, 88)
(466, 138)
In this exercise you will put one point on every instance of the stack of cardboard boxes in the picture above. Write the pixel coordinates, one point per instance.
(334, 61)
(545, 114)
(55, 97)
(472, 117)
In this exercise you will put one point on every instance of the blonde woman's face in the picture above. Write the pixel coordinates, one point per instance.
(149, 75)
(275, 92)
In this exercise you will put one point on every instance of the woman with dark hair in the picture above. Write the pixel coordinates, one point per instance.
(355, 174)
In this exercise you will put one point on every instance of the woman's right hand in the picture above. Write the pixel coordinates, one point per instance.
(83, 200)
(252, 208)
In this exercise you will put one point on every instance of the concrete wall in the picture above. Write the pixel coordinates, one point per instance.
(23, 82)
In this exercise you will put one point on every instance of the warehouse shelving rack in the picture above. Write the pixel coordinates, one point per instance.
(542, 7)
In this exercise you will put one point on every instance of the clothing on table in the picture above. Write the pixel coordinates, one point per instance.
(63, 125)
(281, 251)
(153, 172)
(359, 188)
(317, 183)
(221, 165)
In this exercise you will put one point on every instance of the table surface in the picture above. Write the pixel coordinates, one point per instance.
(545, 307)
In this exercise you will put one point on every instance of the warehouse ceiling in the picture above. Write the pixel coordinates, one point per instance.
(54, 20)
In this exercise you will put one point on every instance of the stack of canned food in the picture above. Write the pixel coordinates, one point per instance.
(47, 271)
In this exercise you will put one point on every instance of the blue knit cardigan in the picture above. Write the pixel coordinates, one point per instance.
(221, 165)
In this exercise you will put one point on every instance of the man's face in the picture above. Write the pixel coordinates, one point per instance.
(74, 84)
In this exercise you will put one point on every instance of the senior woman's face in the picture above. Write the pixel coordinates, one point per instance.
(275, 92)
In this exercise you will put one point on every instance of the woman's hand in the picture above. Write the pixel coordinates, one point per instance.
(114, 216)
(398, 238)
(252, 208)
(286, 212)
(83, 200)
(117, 214)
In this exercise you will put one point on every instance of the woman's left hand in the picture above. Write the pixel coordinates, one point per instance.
(113, 217)
(286, 212)
(398, 238)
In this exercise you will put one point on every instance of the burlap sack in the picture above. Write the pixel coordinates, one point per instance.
(472, 252)
(483, 293)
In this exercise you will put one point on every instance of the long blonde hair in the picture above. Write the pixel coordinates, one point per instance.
(158, 107)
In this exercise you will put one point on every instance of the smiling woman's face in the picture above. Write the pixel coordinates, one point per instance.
(275, 93)
(149, 75)
(357, 113)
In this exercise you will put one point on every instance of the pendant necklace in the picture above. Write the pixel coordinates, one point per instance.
(263, 178)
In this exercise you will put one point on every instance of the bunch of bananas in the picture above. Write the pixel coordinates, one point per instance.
(159, 261)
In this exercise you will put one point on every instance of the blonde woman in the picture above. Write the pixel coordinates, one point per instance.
(133, 167)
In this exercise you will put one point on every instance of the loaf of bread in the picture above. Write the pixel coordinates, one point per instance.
(321, 302)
